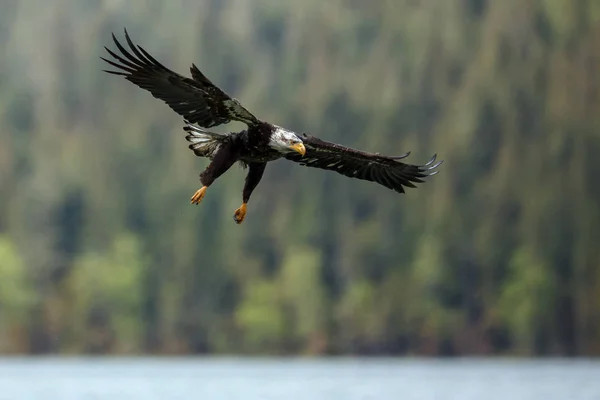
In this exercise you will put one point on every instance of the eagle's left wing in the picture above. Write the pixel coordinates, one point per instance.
(197, 99)
(384, 170)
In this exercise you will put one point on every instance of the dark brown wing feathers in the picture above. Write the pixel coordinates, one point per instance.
(197, 99)
(385, 170)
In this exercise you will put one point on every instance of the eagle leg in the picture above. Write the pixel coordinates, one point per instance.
(255, 173)
(199, 195)
(223, 159)
(240, 214)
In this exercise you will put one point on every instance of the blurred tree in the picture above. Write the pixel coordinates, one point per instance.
(497, 254)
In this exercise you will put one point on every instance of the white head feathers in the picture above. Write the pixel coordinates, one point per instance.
(285, 141)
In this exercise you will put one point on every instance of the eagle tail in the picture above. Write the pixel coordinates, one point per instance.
(202, 142)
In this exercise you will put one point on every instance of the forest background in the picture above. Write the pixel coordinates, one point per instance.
(101, 252)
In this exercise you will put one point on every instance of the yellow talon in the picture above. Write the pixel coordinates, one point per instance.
(199, 195)
(240, 214)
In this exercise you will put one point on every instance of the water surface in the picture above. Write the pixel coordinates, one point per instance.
(295, 379)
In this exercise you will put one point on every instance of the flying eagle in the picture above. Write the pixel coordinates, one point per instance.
(204, 105)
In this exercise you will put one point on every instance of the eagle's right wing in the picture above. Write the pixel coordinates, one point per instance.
(384, 170)
(198, 100)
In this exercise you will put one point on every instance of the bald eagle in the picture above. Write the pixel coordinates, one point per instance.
(204, 105)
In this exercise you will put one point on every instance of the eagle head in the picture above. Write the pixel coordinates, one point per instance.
(285, 141)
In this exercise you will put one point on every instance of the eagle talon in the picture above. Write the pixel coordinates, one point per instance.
(240, 214)
(198, 196)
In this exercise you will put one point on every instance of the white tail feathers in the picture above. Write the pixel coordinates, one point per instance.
(203, 143)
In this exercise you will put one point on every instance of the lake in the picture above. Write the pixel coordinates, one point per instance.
(292, 379)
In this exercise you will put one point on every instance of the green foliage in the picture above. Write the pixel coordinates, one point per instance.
(16, 296)
(303, 293)
(107, 293)
(356, 311)
(261, 317)
(100, 252)
(527, 299)
(16, 292)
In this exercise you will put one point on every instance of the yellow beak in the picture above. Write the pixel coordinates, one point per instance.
(299, 147)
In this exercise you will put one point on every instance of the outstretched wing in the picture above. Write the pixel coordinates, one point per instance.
(197, 99)
(384, 170)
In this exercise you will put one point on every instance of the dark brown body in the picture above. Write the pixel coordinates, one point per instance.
(250, 148)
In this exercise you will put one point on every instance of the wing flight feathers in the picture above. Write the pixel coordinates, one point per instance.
(197, 99)
(384, 170)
